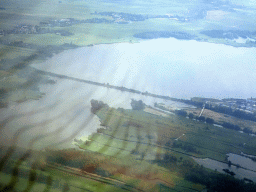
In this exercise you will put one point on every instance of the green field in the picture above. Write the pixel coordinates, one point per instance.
(129, 174)
(120, 139)
(85, 34)
(142, 138)
(60, 178)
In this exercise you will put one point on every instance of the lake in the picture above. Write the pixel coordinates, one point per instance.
(176, 68)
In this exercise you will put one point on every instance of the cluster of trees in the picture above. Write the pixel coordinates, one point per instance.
(247, 130)
(231, 126)
(243, 115)
(137, 105)
(164, 34)
(229, 34)
(3, 93)
(191, 116)
(190, 102)
(229, 172)
(201, 118)
(207, 120)
(120, 109)
(168, 158)
(97, 105)
(181, 112)
(237, 128)
(215, 181)
(186, 147)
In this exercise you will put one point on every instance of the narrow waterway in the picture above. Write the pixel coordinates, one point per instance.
(243, 161)
(219, 166)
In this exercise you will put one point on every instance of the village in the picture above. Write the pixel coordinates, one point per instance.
(245, 105)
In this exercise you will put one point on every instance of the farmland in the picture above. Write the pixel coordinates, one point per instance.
(136, 150)
(136, 131)
(138, 137)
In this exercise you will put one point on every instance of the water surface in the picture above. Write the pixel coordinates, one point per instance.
(243, 161)
(219, 166)
(171, 67)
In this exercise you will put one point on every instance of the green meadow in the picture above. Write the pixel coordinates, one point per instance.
(141, 141)
(150, 135)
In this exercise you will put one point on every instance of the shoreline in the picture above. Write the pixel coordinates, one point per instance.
(139, 40)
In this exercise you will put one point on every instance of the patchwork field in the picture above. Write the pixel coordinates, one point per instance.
(139, 133)
(144, 139)
(220, 118)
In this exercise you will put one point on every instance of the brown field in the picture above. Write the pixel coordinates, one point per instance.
(220, 118)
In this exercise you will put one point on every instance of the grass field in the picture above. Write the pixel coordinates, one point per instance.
(11, 52)
(59, 177)
(136, 138)
(85, 34)
(127, 174)
(150, 133)
(141, 137)
(132, 149)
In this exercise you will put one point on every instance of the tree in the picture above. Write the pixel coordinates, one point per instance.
(137, 105)
(97, 105)
(209, 120)
(181, 113)
(247, 130)
(201, 118)
(191, 115)
(168, 158)
(229, 163)
(187, 164)
(120, 109)
(231, 126)
(189, 148)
